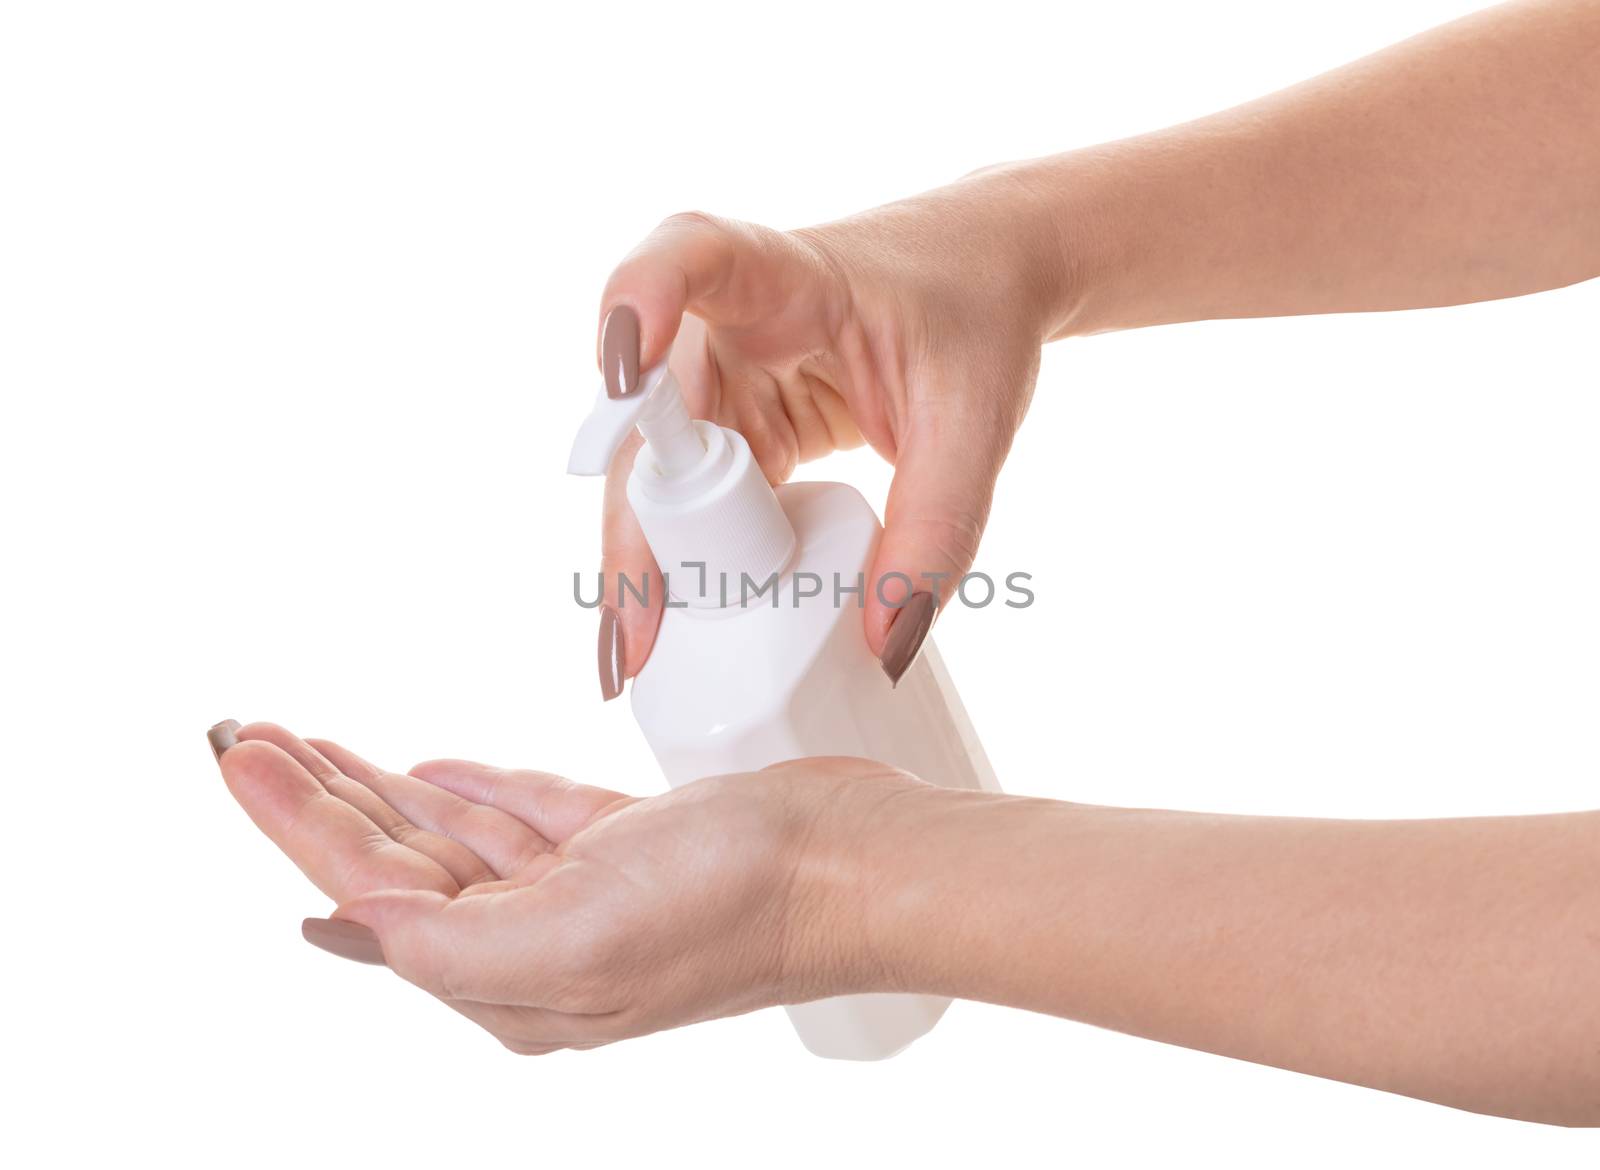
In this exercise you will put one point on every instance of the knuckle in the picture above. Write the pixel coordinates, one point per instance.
(529, 850)
(651, 257)
(888, 773)
(954, 536)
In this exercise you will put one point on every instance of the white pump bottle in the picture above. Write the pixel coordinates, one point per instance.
(740, 679)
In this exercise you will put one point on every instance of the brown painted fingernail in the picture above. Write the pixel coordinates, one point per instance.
(348, 940)
(223, 736)
(619, 351)
(906, 635)
(610, 654)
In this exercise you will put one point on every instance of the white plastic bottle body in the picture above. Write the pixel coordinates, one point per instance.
(738, 688)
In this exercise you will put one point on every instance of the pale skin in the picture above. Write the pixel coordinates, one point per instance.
(1453, 960)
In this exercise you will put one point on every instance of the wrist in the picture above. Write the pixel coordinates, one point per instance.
(907, 887)
(1128, 234)
(973, 887)
(1159, 229)
(1084, 241)
(981, 252)
(841, 863)
(1041, 240)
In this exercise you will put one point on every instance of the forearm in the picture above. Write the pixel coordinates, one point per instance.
(1461, 165)
(1455, 960)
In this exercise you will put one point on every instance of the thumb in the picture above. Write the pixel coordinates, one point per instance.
(938, 505)
(632, 590)
(477, 946)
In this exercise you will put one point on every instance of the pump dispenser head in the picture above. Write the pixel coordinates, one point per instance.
(657, 409)
(707, 510)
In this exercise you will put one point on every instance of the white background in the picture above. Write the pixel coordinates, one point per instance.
(296, 317)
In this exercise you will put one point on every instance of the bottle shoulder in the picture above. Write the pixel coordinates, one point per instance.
(748, 659)
(833, 525)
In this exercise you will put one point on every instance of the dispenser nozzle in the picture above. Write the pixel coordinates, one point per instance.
(697, 491)
(657, 409)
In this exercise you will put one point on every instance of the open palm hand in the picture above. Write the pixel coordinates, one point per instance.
(559, 915)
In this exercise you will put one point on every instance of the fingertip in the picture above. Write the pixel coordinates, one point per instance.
(654, 327)
(345, 938)
(685, 259)
(619, 350)
(630, 616)
(222, 736)
(907, 634)
(623, 644)
(266, 780)
(640, 313)
(876, 618)
(875, 624)
(890, 590)
(640, 626)
(611, 650)
(260, 729)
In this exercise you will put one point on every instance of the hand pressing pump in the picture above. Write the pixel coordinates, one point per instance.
(761, 656)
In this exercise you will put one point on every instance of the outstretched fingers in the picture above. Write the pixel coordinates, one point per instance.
(460, 861)
(335, 844)
(510, 846)
(552, 806)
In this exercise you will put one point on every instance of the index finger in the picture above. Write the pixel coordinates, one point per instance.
(342, 851)
(683, 262)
